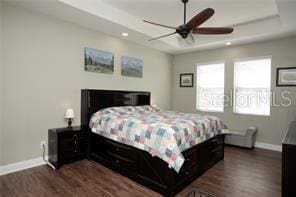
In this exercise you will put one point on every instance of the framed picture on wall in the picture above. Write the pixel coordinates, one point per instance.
(131, 67)
(186, 80)
(98, 61)
(286, 76)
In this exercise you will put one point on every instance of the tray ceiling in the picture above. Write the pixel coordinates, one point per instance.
(253, 20)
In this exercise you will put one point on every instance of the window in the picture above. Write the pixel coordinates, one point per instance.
(210, 87)
(252, 80)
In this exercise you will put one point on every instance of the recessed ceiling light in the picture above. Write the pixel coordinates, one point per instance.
(124, 34)
(228, 43)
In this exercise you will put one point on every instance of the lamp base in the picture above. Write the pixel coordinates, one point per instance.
(70, 123)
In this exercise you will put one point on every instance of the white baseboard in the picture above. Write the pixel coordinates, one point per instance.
(268, 146)
(14, 167)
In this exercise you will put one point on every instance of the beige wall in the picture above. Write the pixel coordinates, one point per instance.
(271, 128)
(44, 73)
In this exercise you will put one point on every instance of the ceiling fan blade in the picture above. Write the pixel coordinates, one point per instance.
(200, 18)
(166, 35)
(213, 30)
(166, 26)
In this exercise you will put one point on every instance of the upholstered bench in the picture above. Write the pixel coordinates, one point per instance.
(241, 138)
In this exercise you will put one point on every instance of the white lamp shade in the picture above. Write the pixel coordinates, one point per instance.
(69, 113)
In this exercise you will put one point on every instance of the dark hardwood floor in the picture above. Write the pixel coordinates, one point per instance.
(243, 173)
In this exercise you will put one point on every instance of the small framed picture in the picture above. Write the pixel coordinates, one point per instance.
(186, 80)
(286, 76)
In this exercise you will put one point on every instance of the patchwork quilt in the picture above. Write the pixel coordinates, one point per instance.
(164, 134)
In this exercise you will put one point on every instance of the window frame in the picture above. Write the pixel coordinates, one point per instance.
(234, 83)
(196, 91)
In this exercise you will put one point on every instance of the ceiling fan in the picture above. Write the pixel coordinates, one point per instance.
(192, 26)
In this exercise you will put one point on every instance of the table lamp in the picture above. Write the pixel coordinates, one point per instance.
(69, 115)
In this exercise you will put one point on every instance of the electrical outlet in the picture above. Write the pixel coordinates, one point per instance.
(42, 143)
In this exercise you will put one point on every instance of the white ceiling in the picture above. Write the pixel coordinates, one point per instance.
(171, 11)
(253, 20)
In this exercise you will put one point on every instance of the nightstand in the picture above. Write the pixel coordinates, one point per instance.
(66, 145)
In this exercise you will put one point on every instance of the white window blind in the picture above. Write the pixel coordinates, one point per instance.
(210, 87)
(252, 80)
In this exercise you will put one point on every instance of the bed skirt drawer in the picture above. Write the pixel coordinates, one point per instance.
(186, 174)
(118, 149)
(112, 152)
(153, 172)
(121, 162)
(216, 142)
(216, 154)
(190, 158)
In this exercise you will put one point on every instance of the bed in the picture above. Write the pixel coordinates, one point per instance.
(159, 173)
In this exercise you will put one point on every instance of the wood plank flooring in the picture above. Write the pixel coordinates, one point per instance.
(243, 173)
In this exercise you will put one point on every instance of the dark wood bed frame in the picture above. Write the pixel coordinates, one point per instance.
(139, 165)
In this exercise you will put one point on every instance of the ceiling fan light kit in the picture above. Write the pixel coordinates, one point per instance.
(192, 26)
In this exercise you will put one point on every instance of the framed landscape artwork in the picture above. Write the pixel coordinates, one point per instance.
(186, 80)
(98, 61)
(131, 67)
(286, 76)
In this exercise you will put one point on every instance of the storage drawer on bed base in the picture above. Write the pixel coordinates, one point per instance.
(186, 174)
(210, 153)
(152, 172)
(118, 149)
(111, 147)
(120, 156)
(120, 161)
(190, 157)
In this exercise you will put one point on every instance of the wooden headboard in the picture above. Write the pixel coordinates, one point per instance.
(94, 100)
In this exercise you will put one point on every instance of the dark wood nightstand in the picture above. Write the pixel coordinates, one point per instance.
(66, 145)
